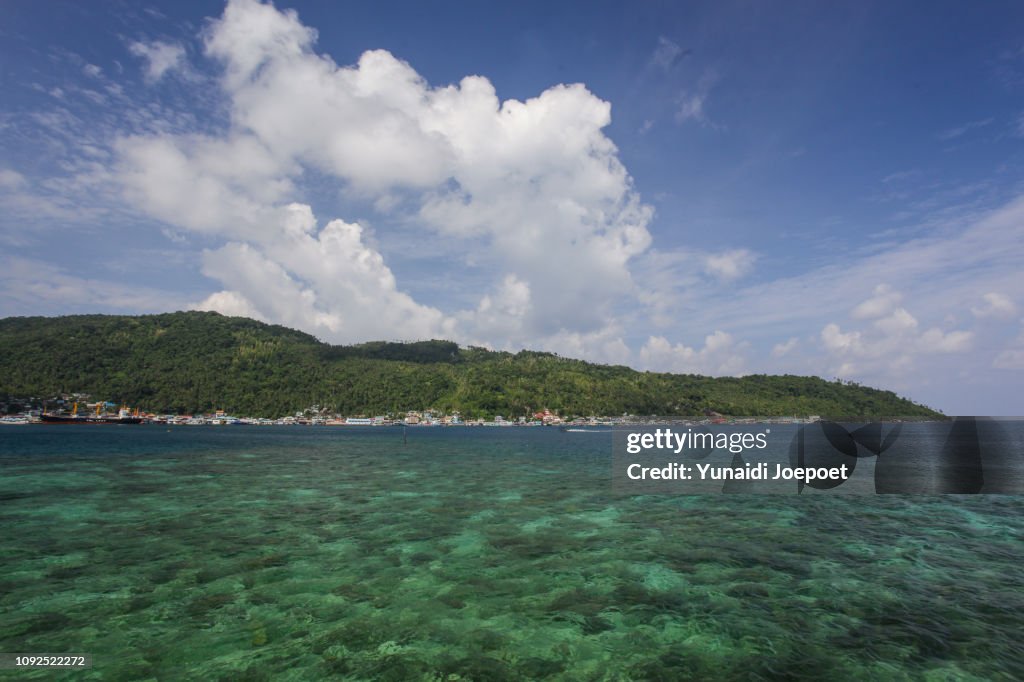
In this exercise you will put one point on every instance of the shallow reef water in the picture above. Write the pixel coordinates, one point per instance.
(290, 553)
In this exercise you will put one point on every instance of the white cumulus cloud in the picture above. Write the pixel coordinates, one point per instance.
(721, 354)
(891, 342)
(326, 281)
(783, 349)
(995, 305)
(531, 191)
(882, 303)
(730, 265)
(10, 179)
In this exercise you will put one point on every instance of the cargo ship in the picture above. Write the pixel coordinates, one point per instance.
(123, 416)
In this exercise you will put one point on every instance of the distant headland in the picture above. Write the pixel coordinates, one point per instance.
(200, 362)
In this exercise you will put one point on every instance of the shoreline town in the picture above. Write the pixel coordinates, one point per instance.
(105, 413)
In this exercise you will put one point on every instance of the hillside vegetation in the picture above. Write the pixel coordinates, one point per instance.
(189, 362)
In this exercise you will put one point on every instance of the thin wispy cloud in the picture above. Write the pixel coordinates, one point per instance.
(160, 57)
(667, 54)
(958, 131)
(691, 104)
(34, 287)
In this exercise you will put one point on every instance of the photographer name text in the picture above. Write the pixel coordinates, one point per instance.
(707, 472)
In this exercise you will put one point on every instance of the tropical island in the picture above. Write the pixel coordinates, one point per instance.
(200, 362)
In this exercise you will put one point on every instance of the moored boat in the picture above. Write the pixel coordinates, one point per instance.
(124, 416)
(92, 419)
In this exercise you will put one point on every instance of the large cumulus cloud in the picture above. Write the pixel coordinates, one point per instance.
(533, 190)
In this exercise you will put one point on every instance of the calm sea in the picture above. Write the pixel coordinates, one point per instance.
(291, 553)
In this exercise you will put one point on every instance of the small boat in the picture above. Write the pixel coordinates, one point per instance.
(14, 421)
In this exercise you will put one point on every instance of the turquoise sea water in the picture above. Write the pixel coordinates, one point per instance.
(265, 553)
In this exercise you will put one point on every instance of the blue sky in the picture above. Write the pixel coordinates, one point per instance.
(722, 188)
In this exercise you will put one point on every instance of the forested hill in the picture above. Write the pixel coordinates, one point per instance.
(190, 362)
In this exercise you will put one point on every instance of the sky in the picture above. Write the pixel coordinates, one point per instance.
(723, 188)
